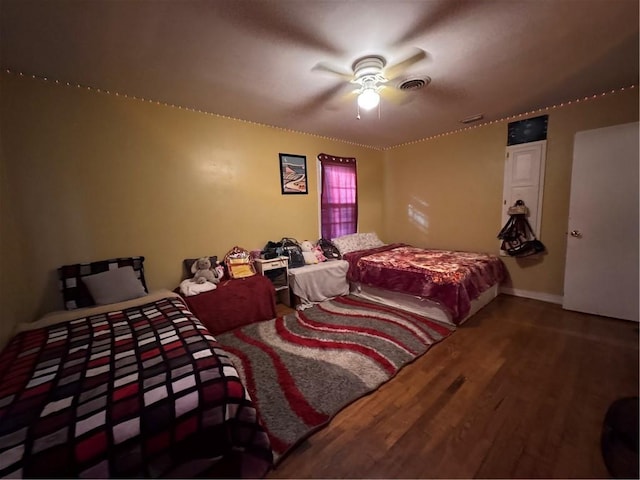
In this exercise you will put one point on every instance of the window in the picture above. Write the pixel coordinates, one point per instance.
(338, 196)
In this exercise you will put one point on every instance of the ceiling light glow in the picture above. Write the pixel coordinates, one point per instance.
(368, 99)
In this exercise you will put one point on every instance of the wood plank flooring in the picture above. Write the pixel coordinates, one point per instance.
(520, 391)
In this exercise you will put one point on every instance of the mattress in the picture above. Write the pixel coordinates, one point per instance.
(419, 305)
(135, 389)
(319, 282)
(451, 279)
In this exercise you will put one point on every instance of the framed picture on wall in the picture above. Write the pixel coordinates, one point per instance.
(293, 174)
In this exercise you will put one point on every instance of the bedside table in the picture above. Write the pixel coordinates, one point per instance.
(276, 270)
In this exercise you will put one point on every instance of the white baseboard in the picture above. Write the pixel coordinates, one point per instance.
(544, 297)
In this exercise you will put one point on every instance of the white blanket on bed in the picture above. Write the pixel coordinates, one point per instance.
(319, 282)
(189, 288)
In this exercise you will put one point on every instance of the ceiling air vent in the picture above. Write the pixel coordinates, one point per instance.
(472, 118)
(414, 83)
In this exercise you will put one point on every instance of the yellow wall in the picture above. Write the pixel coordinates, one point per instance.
(447, 192)
(88, 176)
(14, 273)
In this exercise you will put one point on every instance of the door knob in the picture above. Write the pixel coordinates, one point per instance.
(576, 233)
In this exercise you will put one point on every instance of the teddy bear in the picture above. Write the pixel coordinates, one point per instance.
(203, 271)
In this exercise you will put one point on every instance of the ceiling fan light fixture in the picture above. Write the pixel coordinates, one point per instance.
(368, 99)
(367, 72)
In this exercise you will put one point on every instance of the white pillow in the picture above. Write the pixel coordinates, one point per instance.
(114, 286)
(357, 241)
(371, 240)
(346, 243)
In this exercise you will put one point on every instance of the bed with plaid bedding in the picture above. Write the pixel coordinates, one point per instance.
(143, 390)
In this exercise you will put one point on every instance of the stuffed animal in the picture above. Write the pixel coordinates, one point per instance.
(306, 246)
(203, 271)
(319, 254)
(311, 254)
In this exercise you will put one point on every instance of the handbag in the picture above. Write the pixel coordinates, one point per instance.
(271, 250)
(518, 238)
(293, 251)
(329, 249)
(239, 263)
(524, 249)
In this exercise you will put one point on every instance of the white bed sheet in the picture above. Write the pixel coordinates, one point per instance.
(62, 316)
(419, 305)
(319, 282)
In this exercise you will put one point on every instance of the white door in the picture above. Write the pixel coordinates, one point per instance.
(524, 180)
(601, 273)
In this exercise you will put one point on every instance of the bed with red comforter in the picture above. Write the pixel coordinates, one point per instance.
(452, 279)
(135, 389)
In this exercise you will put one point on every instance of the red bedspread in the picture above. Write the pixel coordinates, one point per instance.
(235, 303)
(450, 278)
(140, 392)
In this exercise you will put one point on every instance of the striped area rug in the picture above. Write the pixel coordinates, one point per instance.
(304, 368)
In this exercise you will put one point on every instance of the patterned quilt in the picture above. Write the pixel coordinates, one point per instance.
(144, 391)
(452, 279)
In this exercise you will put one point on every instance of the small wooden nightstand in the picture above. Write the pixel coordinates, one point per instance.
(276, 270)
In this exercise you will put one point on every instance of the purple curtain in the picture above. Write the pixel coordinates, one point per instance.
(339, 196)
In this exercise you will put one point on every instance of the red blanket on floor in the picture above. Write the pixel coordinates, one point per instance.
(235, 303)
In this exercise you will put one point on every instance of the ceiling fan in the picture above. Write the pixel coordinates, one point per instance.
(367, 73)
(371, 75)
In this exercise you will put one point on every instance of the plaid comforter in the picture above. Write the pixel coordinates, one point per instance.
(144, 391)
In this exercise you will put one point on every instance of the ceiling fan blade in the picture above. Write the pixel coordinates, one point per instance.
(325, 67)
(430, 93)
(449, 95)
(397, 69)
(320, 100)
(342, 100)
(395, 95)
(277, 23)
(433, 15)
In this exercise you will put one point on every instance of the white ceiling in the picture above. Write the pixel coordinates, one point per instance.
(258, 60)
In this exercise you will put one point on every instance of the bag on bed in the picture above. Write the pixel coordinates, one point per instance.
(329, 249)
(292, 249)
(239, 263)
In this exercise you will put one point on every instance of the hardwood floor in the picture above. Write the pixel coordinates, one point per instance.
(519, 391)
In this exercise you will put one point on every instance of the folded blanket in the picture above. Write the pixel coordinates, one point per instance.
(189, 288)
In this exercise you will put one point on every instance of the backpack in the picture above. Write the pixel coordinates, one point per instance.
(271, 250)
(329, 249)
(292, 250)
